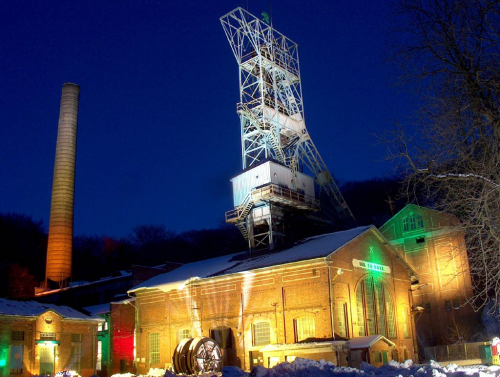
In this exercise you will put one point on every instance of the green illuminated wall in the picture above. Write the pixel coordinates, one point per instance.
(104, 337)
(4, 354)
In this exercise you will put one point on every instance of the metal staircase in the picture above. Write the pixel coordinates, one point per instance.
(243, 229)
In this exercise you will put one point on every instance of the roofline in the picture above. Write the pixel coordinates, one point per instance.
(94, 319)
(375, 340)
(351, 240)
(35, 316)
(418, 206)
(319, 260)
(397, 254)
(384, 240)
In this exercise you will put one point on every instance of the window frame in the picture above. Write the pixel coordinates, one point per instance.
(342, 319)
(257, 333)
(98, 364)
(181, 334)
(413, 221)
(154, 348)
(304, 328)
(76, 352)
(376, 312)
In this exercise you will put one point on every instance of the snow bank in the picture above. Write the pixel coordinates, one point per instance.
(310, 368)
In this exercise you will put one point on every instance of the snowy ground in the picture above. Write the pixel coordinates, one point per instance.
(310, 368)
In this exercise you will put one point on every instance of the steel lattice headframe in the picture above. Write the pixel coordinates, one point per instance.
(271, 106)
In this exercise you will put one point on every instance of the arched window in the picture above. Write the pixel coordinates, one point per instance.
(304, 328)
(261, 333)
(375, 308)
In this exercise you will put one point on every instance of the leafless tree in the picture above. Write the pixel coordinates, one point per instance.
(460, 329)
(449, 54)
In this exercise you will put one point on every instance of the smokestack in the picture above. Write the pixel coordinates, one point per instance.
(60, 244)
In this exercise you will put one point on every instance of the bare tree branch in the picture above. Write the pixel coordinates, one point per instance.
(449, 53)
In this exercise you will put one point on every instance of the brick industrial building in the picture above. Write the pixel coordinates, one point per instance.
(326, 294)
(37, 339)
(434, 246)
(306, 300)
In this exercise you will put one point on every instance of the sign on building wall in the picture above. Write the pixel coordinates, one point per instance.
(371, 266)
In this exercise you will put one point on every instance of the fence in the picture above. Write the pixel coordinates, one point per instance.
(462, 351)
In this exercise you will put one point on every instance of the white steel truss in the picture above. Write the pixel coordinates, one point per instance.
(271, 107)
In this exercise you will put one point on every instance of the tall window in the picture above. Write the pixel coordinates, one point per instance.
(304, 328)
(261, 333)
(342, 319)
(154, 348)
(76, 352)
(412, 222)
(98, 365)
(374, 308)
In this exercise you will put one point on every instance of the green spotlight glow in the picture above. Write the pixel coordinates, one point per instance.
(3, 362)
(375, 254)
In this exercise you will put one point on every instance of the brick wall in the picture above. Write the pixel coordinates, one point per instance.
(438, 254)
(280, 296)
(48, 322)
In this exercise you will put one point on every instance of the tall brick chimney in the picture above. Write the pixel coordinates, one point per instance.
(59, 249)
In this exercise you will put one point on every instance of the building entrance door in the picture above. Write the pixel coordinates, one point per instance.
(385, 360)
(46, 360)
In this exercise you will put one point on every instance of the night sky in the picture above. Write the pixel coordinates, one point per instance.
(158, 133)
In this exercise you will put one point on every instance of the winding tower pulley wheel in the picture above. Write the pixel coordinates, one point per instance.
(198, 355)
(180, 356)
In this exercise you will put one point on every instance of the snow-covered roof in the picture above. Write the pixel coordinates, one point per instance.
(95, 310)
(367, 341)
(127, 300)
(83, 283)
(98, 309)
(294, 346)
(307, 249)
(34, 309)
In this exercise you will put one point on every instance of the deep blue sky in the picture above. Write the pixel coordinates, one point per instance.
(158, 133)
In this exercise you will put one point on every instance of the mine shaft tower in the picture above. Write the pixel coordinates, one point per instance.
(276, 147)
